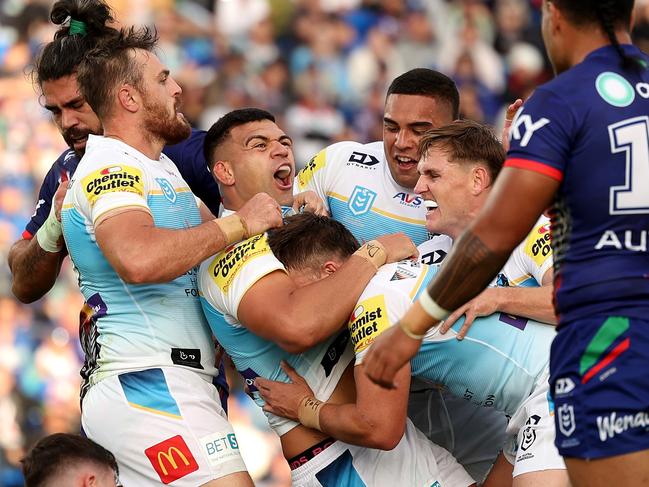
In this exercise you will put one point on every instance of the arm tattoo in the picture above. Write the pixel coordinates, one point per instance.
(466, 272)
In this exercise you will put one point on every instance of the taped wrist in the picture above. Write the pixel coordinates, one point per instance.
(309, 412)
(49, 234)
(233, 227)
(374, 252)
(409, 333)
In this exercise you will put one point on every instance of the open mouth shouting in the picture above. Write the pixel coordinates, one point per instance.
(284, 177)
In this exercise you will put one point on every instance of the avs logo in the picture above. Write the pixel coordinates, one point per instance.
(167, 189)
(566, 415)
(171, 459)
(563, 386)
(361, 159)
(361, 200)
(411, 200)
(523, 128)
(529, 433)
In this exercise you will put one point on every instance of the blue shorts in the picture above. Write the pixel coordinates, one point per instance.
(599, 379)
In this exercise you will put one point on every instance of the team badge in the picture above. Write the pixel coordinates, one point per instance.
(167, 189)
(361, 200)
(566, 415)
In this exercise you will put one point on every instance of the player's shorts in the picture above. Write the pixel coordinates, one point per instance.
(415, 462)
(163, 425)
(530, 445)
(600, 384)
(473, 434)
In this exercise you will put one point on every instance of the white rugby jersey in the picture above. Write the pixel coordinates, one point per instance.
(128, 327)
(525, 267)
(223, 281)
(496, 365)
(355, 183)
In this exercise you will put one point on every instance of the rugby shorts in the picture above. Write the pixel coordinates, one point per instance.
(415, 462)
(473, 434)
(530, 445)
(163, 425)
(600, 385)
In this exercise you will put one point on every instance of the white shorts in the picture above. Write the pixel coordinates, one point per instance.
(163, 425)
(473, 434)
(415, 462)
(530, 445)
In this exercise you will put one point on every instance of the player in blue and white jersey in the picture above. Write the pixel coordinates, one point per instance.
(128, 220)
(582, 139)
(236, 287)
(369, 187)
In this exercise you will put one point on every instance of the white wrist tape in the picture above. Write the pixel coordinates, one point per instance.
(50, 232)
(433, 309)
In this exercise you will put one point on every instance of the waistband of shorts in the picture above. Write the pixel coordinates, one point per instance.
(306, 473)
(301, 458)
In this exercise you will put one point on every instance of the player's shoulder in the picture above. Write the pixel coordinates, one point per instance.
(537, 245)
(435, 249)
(355, 154)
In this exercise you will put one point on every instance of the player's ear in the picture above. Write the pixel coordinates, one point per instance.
(480, 179)
(223, 173)
(129, 98)
(329, 267)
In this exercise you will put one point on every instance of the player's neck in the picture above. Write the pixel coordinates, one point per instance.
(582, 44)
(140, 140)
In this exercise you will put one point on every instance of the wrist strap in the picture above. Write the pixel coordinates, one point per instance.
(433, 309)
(309, 412)
(408, 332)
(233, 227)
(374, 252)
(49, 234)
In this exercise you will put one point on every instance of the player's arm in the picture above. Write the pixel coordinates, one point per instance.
(35, 263)
(305, 316)
(474, 261)
(376, 420)
(141, 253)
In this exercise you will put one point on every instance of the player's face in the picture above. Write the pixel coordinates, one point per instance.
(261, 156)
(70, 111)
(161, 100)
(446, 189)
(405, 120)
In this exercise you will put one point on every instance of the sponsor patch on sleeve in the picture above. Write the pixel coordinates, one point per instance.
(305, 176)
(113, 179)
(220, 448)
(368, 321)
(227, 264)
(538, 244)
(171, 459)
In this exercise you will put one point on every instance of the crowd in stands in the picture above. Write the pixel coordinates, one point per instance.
(321, 66)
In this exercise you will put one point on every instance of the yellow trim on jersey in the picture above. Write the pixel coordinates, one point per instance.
(177, 190)
(154, 411)
(68, 206)
(415, 289)
(381, 212)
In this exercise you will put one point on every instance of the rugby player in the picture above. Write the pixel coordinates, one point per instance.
(581, 139)
(70, 460)
(257, 338)
(128, 219)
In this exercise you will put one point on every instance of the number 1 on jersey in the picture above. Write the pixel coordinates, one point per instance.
(631, 137)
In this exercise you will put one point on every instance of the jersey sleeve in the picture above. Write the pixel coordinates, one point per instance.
(189, 159)
(44, 204)
(228, 275)
(540, 135)
(536, 250)
(109, 183)
(313, 176)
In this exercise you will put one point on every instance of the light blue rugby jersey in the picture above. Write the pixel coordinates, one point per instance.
(223, 281)
(130, 327)
(354, 181)
(498, 363)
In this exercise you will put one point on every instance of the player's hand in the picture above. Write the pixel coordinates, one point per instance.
(397, 247)
(260, 213)
(311, 202)
(389, 352)
(509, 118)
(282, 398)
(484, 304)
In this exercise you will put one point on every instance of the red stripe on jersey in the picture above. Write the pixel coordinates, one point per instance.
(27, 235)
(536, 167)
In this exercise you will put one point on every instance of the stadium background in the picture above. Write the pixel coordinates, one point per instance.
(321, 66)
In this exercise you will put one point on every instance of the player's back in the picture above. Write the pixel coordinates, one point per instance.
(355, 181)
(589, 128)
(126, 326)
(497, 364)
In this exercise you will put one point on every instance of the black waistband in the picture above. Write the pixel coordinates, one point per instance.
(301, 458)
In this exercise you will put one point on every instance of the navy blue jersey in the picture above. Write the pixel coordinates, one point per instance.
(187, 156)
(589, 129)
